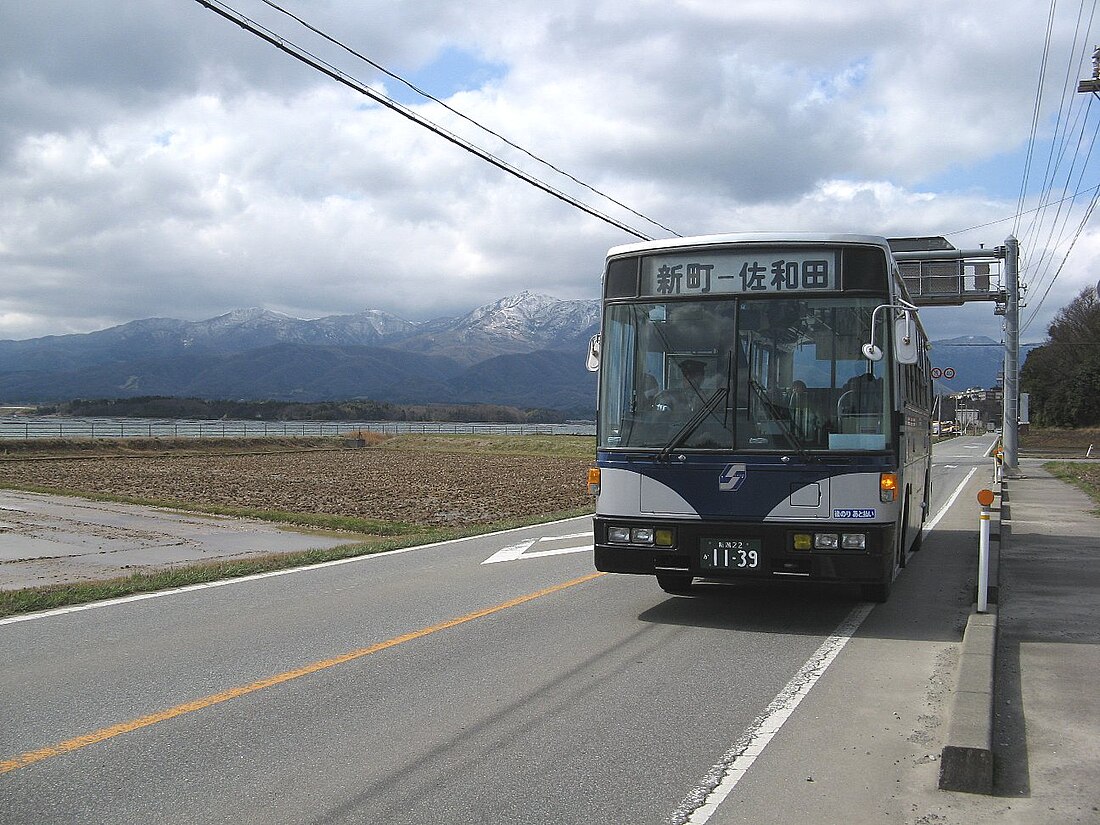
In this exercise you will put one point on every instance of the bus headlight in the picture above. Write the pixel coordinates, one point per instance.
(618, 535)
(829, 541)
(664, 537)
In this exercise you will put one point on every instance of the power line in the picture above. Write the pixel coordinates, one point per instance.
(462, 115)
(302, 55)
(1042, 205)
(1036, 111)
(1056, 231)
(1080, 227)
(1059, 139)
(1049, 245)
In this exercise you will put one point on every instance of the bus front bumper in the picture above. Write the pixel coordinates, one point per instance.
(717, 550)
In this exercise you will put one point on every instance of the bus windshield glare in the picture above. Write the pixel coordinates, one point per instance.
(746, 374)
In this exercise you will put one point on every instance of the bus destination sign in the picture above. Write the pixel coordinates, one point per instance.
(760, 272)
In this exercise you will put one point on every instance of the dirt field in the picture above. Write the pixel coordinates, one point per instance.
(1056, 443)
(434, 487)
(428, 481)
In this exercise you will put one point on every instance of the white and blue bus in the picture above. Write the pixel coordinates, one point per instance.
(763, 413)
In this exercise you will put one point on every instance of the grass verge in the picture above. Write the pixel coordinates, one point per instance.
(557, 446)
(49, 448)
(1083, 476)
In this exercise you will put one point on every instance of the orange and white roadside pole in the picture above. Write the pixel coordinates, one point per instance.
(985, 498)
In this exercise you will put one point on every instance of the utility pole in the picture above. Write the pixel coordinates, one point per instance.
(1010, 430)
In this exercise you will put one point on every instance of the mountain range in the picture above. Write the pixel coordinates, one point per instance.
(976, 360)
(526, 350)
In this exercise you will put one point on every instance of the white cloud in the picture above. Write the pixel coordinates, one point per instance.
(195, 169)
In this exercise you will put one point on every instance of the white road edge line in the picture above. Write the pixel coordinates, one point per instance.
(947, 506)
(76, 608)
(720, 780)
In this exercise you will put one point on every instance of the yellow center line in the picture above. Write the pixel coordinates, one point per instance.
(70, 745)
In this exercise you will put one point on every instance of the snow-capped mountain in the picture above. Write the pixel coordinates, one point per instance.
(517, 324)
(525, 349)
(263, 354)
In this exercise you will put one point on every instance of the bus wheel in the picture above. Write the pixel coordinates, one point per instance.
(678, 584)
(918, 541)
(903, 530)
(880, 591)
(924, 506)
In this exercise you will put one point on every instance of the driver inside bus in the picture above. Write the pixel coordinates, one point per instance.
(688, 397)
(795, 396)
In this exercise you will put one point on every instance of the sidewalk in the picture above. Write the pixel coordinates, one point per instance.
(868, 744)
(1046, 687)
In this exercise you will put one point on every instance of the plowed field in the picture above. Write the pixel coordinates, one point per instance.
(434, 488)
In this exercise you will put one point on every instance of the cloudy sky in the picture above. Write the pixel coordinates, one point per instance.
(158, 160)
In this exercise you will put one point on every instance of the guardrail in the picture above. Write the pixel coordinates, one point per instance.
(26, 428)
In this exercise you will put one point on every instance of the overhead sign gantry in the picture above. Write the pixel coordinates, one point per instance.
(938, 274)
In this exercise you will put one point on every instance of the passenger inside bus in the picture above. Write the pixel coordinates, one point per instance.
(800, 410)
(859, 408)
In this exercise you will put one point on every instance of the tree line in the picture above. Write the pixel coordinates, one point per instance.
(206, 409)
(1063, 375)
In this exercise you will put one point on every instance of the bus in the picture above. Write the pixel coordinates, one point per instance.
(764, 412)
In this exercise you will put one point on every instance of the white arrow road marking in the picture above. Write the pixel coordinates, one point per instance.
(519, 551)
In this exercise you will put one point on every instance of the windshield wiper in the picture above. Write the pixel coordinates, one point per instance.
(780, 418)
(693, 423)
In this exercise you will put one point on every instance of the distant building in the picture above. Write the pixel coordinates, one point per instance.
(972, 409)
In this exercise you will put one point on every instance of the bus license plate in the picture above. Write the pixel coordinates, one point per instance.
(743, 555)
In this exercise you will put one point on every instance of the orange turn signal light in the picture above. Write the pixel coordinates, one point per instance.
(887, 486)
(593, 481)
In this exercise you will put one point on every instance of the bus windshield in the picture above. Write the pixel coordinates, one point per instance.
(768, 374)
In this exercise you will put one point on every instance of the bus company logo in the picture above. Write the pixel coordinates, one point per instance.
(732, 478)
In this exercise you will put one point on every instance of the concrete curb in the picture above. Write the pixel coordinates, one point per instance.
(966, 761)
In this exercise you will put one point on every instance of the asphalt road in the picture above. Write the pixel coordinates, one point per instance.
(495, 679)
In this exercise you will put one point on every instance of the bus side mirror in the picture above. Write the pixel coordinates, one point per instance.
(905, 339)
(592, 363)
(905, 335)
